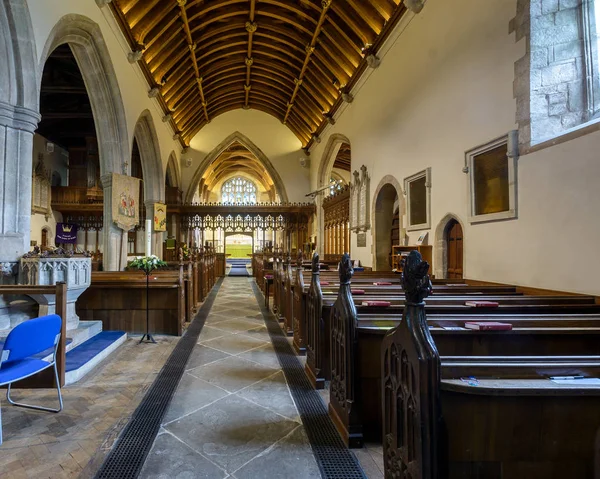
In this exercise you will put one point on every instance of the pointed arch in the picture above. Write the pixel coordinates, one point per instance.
(388, 191)
(334, 143)
(440, 249)
(220, 148)
(147, 141)
(174, 170)
(85, 39)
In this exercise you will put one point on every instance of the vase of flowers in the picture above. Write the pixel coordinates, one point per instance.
(147, 264)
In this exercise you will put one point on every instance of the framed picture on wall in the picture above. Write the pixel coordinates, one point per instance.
(418, 198)
(492, 181)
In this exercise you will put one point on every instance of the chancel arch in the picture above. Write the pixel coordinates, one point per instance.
(443, 248)
(388, 199)
(85, 40)
(235, 152)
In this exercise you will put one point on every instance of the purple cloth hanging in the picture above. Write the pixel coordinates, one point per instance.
(66, 233)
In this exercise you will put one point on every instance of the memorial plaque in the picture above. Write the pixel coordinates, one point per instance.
(361, 240)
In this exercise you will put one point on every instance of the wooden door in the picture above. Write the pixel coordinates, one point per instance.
(454, 246)
(44, 239)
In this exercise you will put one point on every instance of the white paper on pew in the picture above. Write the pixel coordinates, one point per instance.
(577, 382)
(454, 328)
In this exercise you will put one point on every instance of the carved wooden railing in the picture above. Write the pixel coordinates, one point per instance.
(343, 353)
(411, 384)
(314, 306)
(288, 296)
(299, 325)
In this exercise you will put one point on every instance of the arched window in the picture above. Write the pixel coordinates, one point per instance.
(335, 185)
(238, 190)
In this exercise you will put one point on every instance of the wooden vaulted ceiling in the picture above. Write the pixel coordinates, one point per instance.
(343, 157)
(236, 159)
(292, 59)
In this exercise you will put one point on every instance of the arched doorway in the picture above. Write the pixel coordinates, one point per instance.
(386, 202)
(449, 248)
(454, 247)
(239, 245)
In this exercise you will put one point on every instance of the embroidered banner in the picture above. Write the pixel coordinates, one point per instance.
(125, 199)
(66, 233)
(160, 217)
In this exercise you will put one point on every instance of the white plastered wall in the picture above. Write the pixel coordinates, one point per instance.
(277, 142)
(445, 87)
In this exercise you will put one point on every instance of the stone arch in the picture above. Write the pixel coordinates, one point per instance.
(19, 117)
(147, 141)
(334, 143)
(174, 170)
(440, 248)
(85, 39)
(18, 84)
(387, 193)
(220, 148)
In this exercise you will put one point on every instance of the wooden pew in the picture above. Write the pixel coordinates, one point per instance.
(515, 424)
(349, 350)
(118, 299)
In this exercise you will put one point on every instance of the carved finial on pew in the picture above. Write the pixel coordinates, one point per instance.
(346, 270)
(415, 280)
(299, 259)
(411, 384)
(315, 263)
(181, 255)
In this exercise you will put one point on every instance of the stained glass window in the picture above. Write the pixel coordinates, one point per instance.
(238, 190)
(335, 185)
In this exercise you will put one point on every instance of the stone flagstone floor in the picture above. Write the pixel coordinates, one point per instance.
(232, 415)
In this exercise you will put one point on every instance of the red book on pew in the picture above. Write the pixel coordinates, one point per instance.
(376, 303)
(482, 304)
(357, 291)
(488, 326)
(382, 283)
(324, 283)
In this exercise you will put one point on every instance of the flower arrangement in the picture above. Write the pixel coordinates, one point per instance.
(146, 263)
(185, 251)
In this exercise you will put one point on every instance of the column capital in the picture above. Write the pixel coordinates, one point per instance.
(106, 180)
(18, 117)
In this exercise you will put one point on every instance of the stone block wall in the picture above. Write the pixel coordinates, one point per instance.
(551, 80)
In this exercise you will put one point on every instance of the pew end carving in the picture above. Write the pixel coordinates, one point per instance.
(343, 408)
(298, 307)
(411, 384)
(314, 304)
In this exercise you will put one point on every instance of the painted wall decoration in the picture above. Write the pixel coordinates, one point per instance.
(160, 217)
(125, 201)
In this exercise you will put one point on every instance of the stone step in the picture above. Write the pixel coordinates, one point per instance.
(84, 331)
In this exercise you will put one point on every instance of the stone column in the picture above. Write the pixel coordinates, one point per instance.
(156, 236)
(114, 238)
(17, 125)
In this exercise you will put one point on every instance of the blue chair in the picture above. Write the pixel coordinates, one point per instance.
(18, 358)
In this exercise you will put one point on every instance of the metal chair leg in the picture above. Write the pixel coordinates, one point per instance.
(39, 408)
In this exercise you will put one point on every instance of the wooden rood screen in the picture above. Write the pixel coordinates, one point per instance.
(46, 379)
(411, 378)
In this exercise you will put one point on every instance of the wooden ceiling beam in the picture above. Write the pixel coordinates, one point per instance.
(310, 48)
(355, 24)
(192, 49)
(365, 11)
(139, 11)
(251, 27)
